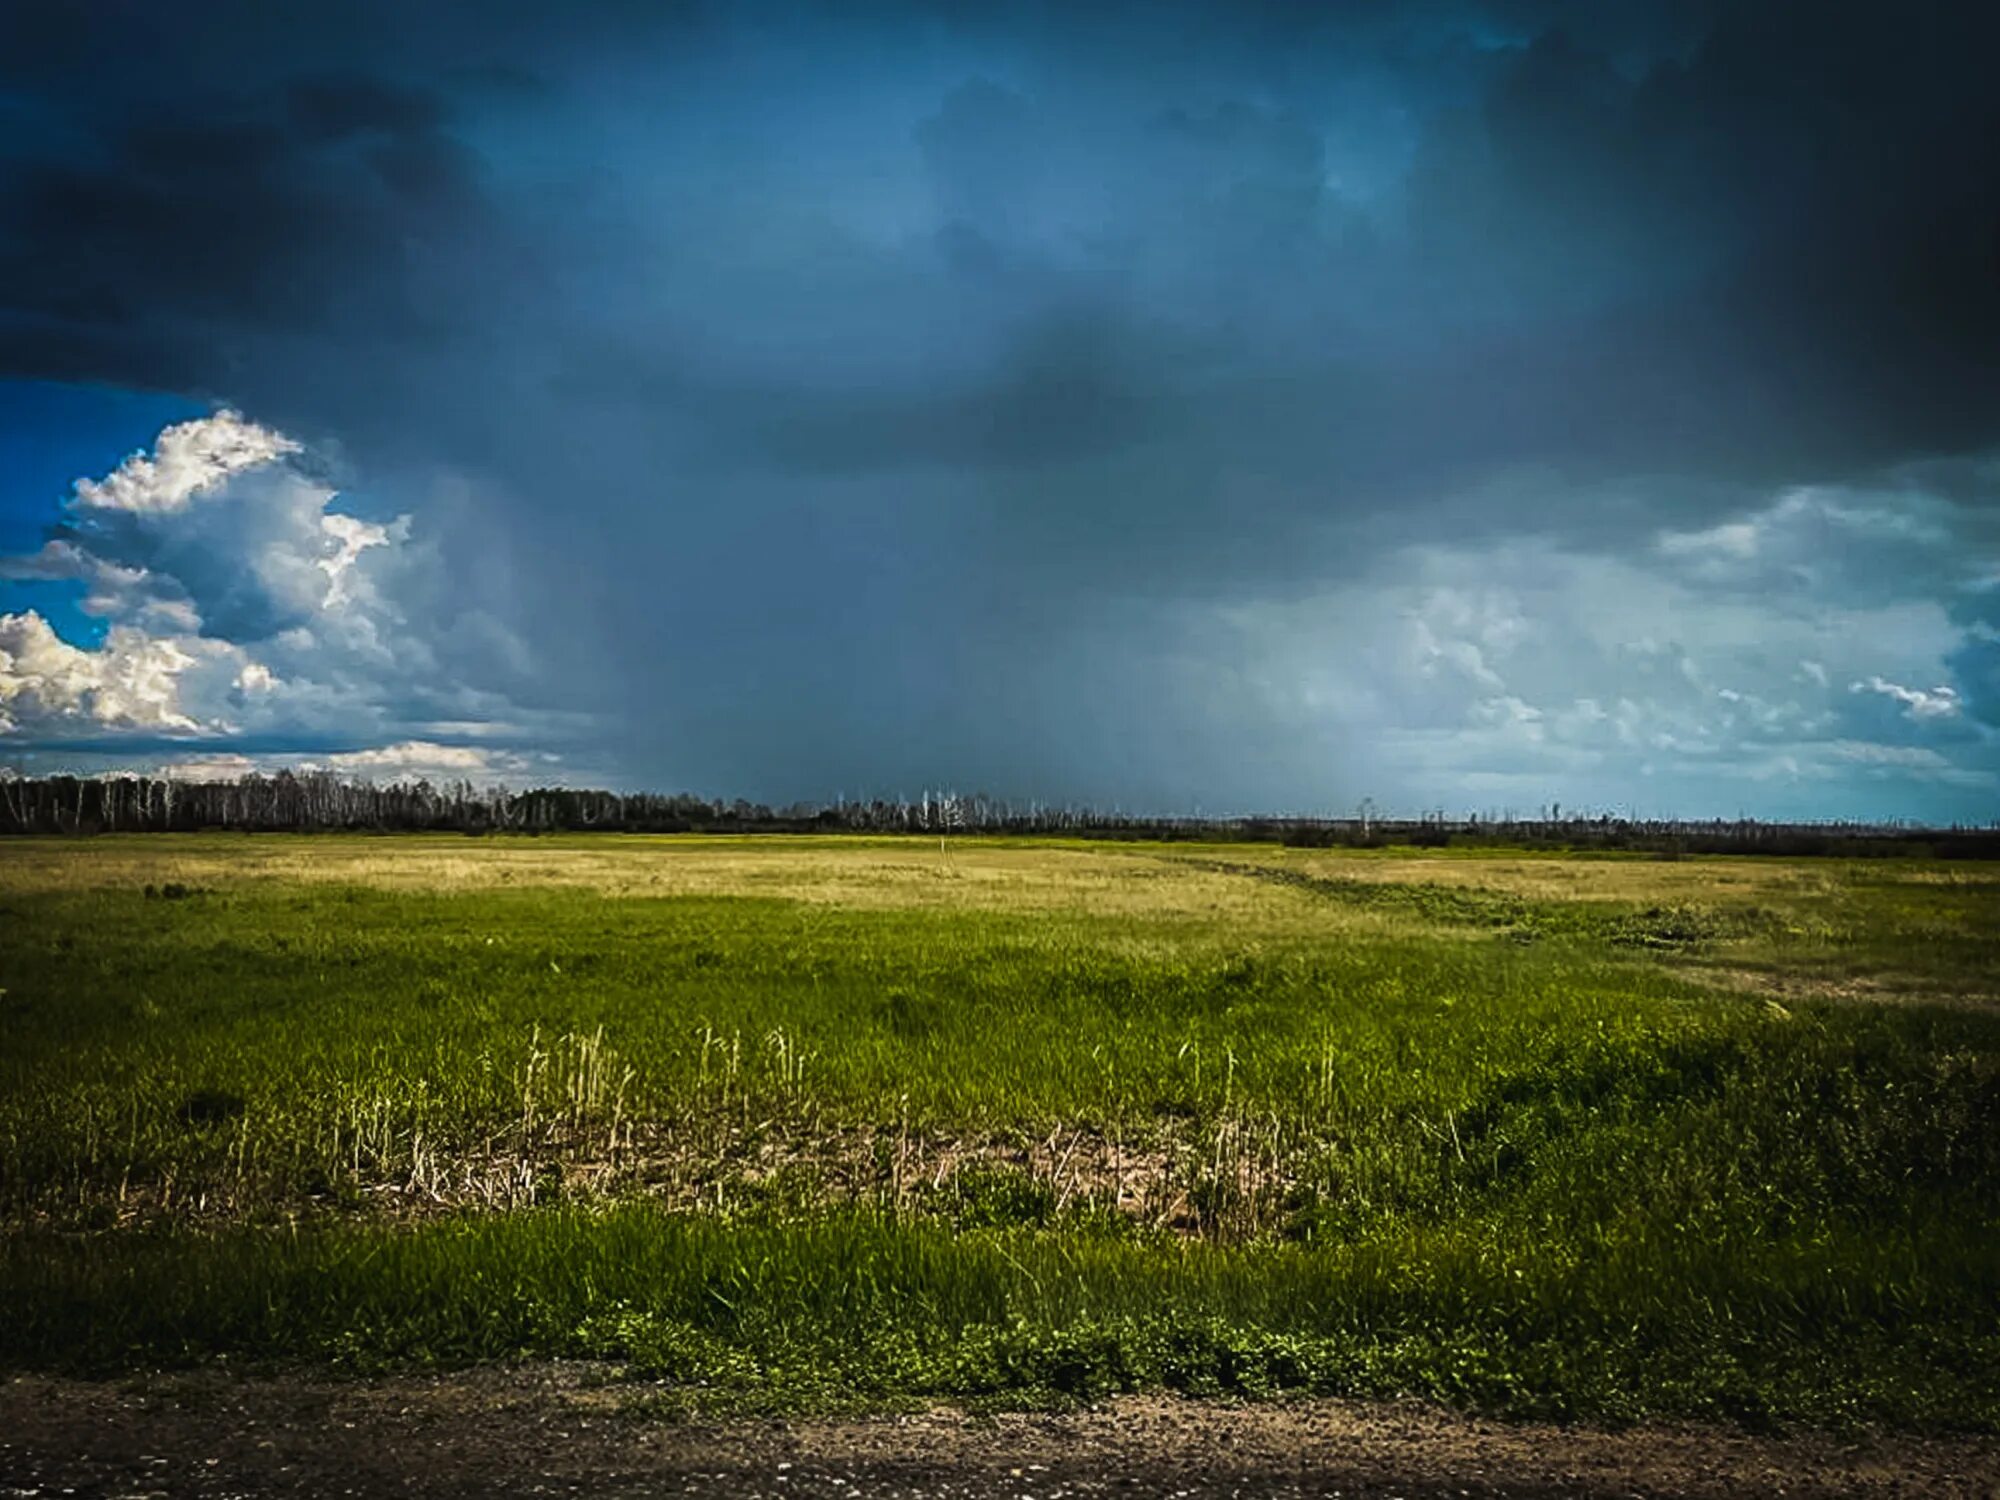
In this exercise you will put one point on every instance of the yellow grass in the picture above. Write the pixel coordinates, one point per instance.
(1075, 879)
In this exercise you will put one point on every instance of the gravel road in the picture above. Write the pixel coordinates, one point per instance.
(565, 1430)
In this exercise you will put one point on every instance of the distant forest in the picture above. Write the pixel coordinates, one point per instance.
(315, 802)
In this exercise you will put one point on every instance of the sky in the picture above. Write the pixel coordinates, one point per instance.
(1472, 405)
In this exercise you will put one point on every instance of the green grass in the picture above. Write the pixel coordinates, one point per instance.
(845, 1122)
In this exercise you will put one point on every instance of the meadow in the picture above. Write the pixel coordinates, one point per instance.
(781, 1123)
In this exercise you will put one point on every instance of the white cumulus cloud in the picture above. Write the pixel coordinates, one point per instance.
(243, 601)
(132, 681)
(188, 459)
(1919, 703)
(419, 756)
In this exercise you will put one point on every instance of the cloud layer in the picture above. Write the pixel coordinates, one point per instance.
(1244, 405)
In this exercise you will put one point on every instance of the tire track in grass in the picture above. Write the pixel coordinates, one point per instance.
(1677, 928)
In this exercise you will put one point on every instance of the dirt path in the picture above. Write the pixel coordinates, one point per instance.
(557, 1430)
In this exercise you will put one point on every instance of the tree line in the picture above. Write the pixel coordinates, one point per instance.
(313, 801)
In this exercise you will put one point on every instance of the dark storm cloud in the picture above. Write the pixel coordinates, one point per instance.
(1827, 177)
(1776, 257)
(847, 370)
(330, 206)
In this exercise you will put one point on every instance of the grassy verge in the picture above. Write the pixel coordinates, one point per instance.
(860, 1310)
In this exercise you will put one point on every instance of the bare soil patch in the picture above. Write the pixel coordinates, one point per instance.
(1859, 989)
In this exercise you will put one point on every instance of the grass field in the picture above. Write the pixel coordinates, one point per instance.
(817, 1123)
